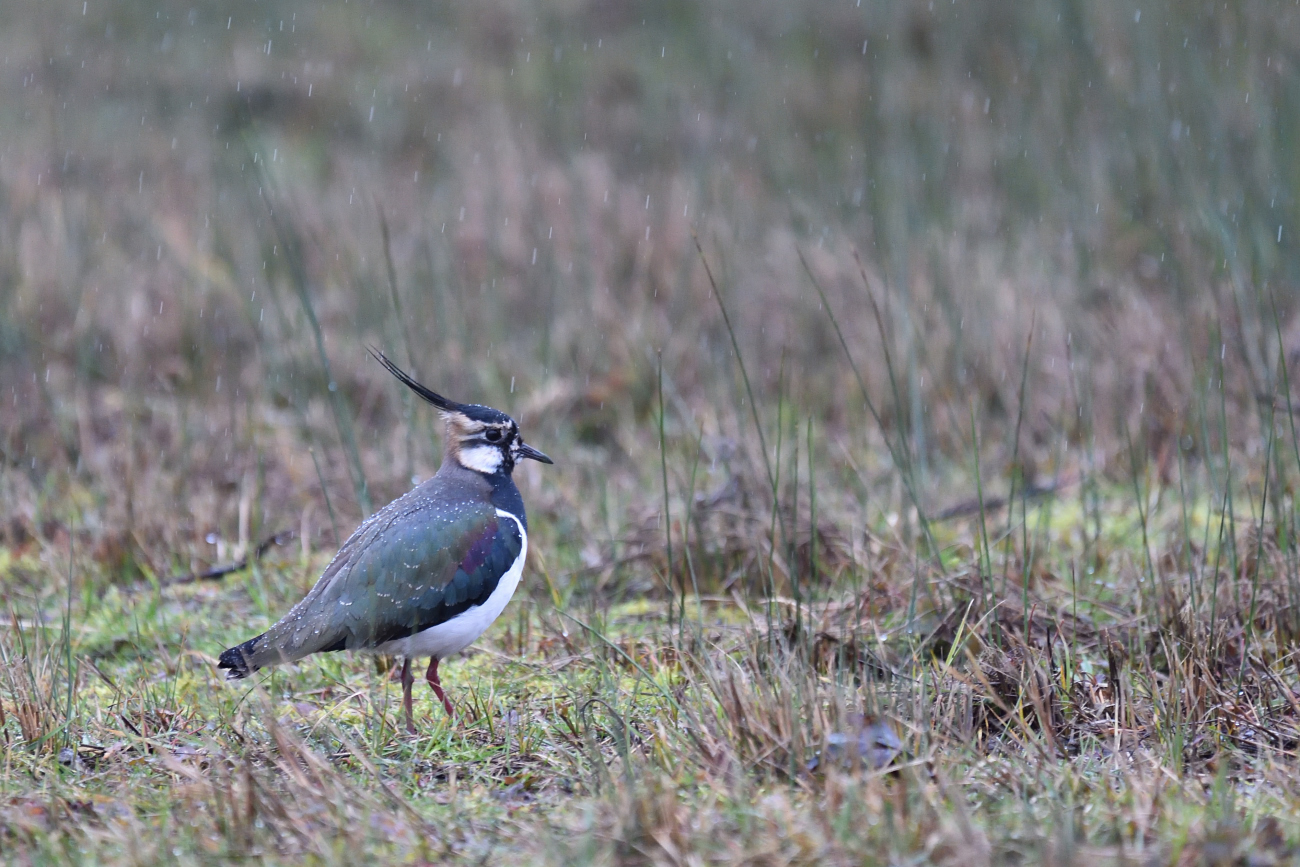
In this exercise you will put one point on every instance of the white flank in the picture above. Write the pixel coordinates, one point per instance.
(455, 635)
(481, 459)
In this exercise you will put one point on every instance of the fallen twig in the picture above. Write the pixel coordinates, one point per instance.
(992, 504)
(216, 573)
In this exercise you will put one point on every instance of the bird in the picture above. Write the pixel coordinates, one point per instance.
(426, 575)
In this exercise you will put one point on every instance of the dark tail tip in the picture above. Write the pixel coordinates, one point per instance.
(236, 660)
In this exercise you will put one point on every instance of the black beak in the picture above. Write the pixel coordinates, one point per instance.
(527, 451)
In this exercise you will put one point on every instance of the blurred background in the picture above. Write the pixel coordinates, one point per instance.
(1056, 236)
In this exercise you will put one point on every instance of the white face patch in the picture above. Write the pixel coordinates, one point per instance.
(481, 459)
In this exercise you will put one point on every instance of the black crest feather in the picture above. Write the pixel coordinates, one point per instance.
(474, 411)
(425, 393)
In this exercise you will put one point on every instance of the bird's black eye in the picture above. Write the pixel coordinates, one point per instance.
(493, 436)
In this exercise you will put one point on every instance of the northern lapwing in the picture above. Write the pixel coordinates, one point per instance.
(428, 573)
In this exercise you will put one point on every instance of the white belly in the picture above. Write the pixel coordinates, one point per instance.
(455, 635)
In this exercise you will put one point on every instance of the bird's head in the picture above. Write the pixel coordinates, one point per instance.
(479, 438)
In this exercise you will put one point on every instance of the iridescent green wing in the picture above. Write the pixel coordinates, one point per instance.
(413, 565)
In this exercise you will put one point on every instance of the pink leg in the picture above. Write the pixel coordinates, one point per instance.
(407, 681)
(432, 676)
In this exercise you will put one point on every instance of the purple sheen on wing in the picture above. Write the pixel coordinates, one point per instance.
(482, 547)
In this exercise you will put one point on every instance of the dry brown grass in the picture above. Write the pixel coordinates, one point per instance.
(983, 546)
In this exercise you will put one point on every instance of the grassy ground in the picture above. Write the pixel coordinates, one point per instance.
(1115, 718)
(918, 378)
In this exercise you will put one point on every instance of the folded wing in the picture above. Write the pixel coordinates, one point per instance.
(412, 566)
